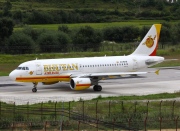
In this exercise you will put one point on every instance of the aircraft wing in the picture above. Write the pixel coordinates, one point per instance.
(111, 74)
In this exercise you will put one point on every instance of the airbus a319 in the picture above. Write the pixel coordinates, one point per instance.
(81, 73)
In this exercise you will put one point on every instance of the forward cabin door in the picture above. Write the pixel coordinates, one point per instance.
(38, 68)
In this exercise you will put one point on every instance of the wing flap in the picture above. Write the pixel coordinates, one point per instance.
(118, 73)
(80, 75)
(108, 74)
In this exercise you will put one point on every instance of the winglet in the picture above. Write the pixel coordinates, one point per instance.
(157, 72)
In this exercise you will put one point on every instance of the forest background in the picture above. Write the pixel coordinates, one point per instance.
(25, 24)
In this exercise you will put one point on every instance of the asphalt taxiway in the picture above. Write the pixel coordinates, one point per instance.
(167, 81)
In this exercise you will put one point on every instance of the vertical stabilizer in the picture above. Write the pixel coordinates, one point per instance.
(149, 44)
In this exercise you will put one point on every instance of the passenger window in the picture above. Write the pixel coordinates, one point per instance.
(27, 68)
(23, 68)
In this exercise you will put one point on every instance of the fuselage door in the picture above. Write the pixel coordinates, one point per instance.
(38, 68)
(135, 64)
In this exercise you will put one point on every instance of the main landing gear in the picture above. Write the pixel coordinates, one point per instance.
(97, 88)
(35, 87)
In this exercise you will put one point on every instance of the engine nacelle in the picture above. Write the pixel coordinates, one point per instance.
(80, 83)
(49, 83)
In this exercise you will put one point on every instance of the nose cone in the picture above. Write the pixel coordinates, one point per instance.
(12, 75)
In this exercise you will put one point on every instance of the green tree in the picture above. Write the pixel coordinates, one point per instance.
(130, 33)
(64, 16)
(64, 28)
(120, 34)
(175, 33)
(148, 3)
(7, 8)
(113, 34)
(20, 43)
(165, 36)
(175, 6)
(33, 33)
(177, 13)
(87, 38)
(53, 42)
(151, 2)
(160, 5)
(6, 28)
(39, 17)
(17, 16)
(47, 42)
(64, 41)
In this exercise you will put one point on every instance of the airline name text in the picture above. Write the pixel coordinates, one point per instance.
(55, 68)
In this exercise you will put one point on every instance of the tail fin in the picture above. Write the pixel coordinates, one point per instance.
(149, 44)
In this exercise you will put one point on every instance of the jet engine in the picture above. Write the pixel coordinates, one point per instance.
(49, 83)
(80, 83)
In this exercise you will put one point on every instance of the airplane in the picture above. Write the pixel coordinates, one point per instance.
(81, 73)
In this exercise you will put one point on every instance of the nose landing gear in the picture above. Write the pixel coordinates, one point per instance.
(35, 87)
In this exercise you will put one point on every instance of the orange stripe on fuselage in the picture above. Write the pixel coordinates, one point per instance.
(43, 78)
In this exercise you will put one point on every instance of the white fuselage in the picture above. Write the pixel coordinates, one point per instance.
(46, 70)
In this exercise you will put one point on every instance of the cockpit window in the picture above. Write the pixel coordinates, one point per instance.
(22, 68)
(18, 68)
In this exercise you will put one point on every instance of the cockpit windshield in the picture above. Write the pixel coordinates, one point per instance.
(22, 68)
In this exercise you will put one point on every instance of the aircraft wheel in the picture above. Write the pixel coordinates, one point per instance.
(97, 88)
(34, 90)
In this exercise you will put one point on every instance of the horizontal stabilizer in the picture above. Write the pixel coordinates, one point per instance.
(170, 59)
